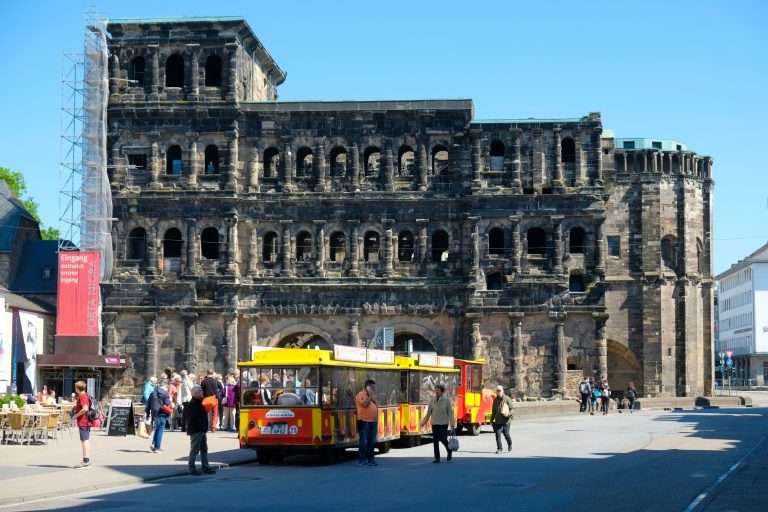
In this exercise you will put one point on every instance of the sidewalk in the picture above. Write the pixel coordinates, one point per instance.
(30, 473)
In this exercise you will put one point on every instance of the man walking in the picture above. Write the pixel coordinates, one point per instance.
(210, 388)
(154, 408)
(584, 391)
(502, 412)
(197, 428)
(441, 412)
(367, 423)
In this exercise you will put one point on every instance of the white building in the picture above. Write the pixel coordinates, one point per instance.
(743, 316)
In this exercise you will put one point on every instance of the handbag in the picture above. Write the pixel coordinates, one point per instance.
(210, 402)
(143, 430)
(505, 410)
(453, 443)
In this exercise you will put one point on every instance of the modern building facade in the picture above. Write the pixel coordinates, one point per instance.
(743, 318)
(547, 247)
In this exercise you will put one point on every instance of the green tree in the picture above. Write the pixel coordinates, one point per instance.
(18, 186)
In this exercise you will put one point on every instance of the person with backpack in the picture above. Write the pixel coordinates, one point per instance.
(502, 412)
(605, 397)
(159, 409)
(631, 394)
(584, 391)
(82, 408)
(593, 396)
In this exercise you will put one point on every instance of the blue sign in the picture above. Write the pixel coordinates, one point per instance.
(729, 362)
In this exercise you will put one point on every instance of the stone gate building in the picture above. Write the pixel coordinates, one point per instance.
(547, 247)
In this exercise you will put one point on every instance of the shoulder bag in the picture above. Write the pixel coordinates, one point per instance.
(453, 442)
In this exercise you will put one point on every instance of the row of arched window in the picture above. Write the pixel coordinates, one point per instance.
(174, 71)
(537, 241)
(497, 152)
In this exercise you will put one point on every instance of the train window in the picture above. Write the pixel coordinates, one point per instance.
(387, 387)
(281, 386)
(468, 378)
(477, 378)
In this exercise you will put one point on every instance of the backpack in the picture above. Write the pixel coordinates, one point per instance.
(93, 409)
(584, 388)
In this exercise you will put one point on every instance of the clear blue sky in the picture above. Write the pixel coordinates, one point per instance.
(693, 71)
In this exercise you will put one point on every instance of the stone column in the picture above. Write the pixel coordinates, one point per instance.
(232, 157)
(601, 345)
(321, 166)
(253, 250)
(421, 245)
(254, 167)
(191, 269)
(516, 249)
(423, 167)
(354, 248)
(476, 162)
(389, 170)
(388, 252)
(654, 163)
(319, 247)
(288, 185)
(110, 333)
(194, 72)
(557, 260)
(598, 157)
(518, 372)
(517, 179)
(230, 341)
(476, 251)
(253, 331)
(355, 154)
(189, 358)
(287, 269)
(154, 72)
(557, 172)
(232, 91)
(353, 340)
(558, 352)
(475, 342)
(150, 347)
(579, 173)
(152, 267)
(194, 167)
(114, 85)
(599, 245)
(154, 162)
(232, 267)
(644, 155)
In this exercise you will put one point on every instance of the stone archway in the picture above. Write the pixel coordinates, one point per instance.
(304, 340)
(418, 343)
(623, 367)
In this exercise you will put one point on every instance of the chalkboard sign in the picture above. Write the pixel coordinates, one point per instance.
(120, 420)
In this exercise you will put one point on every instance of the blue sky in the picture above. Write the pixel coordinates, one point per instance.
(693, 71)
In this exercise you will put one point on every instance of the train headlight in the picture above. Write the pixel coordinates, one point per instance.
(251, 424)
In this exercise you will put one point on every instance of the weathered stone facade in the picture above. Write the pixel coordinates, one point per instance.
(249, 222)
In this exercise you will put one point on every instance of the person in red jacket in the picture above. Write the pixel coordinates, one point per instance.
(83, 424)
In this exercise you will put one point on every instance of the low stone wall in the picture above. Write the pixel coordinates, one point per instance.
(647, 404)
(546, 408)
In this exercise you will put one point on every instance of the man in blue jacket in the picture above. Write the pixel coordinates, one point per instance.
(154, 409)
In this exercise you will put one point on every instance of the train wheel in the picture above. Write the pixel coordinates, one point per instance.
(278, 458)
(338, 455)
(327, 456)
(459, 428)
(263, 457)
(414, 441)
(384, 446)
(474, 429)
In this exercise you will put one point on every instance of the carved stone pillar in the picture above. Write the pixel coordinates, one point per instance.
(189, 358)
(253, 250)
(579, 173)
(110, 333)
(154, 71)
(254, 167)
(518, 372)
(423, 167)
(516, 249)
(598, 157)
(353, 339)
(154, 162)
(319, 247)
(421, 247)
(599, 246)
(253, 332)
(230, 341)
(558, 352)
(114, 85)
(388, 252)
(557, 259)
(557, 172)
(288, 185)
(232, 267)
(601, 345)
(475, 342)
(194, 72)
(191, 269)
(194, 167)
(232, 91)
(355, 167)
(232, 157)
(152, 267)
(389, 170)
(517, 178)
(476, 163)
(150, 346)
(354, 248)
(322, 168)
(476, 251)
(287, 268)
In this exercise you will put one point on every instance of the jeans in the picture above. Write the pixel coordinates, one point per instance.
(439, 435)
(367, 438)
(198, 443)
(159, 425)
(498, 429)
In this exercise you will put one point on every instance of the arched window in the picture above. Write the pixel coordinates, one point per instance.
(372, 159)
(136, 71)
(668, 251)
(304, 162)
(496, 242)
(173, 160)
(213, 71)
(209, 244)
(497, 155)
(576, 283)
(338, 162)
(303, 246)
(567, 151)
(439, 160)
(137, 244)
(405, 161)
(440, 245)
(271, 162)
(172, 243)
(494, 281)
(338, 246)
(174, 71)
(577, 241)
(269, 248)
(537, 241)
(211, 159)
(405, 246)
(371, 246)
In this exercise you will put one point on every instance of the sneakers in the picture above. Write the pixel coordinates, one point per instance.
(158, 450)
(83, 465)
(373, 463)
(450, 455)
(436, 461)
(498, 451)
(152, 447)
(509, 448)
(194, 472)
(363, 463)
(208, 471)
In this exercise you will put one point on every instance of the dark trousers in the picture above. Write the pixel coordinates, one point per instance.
(584, 402)
(439, 435)
(184, 417)
(606, 404)
(367, 437)
(498, 429)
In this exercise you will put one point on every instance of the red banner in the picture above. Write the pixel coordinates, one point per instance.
(78, 300)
